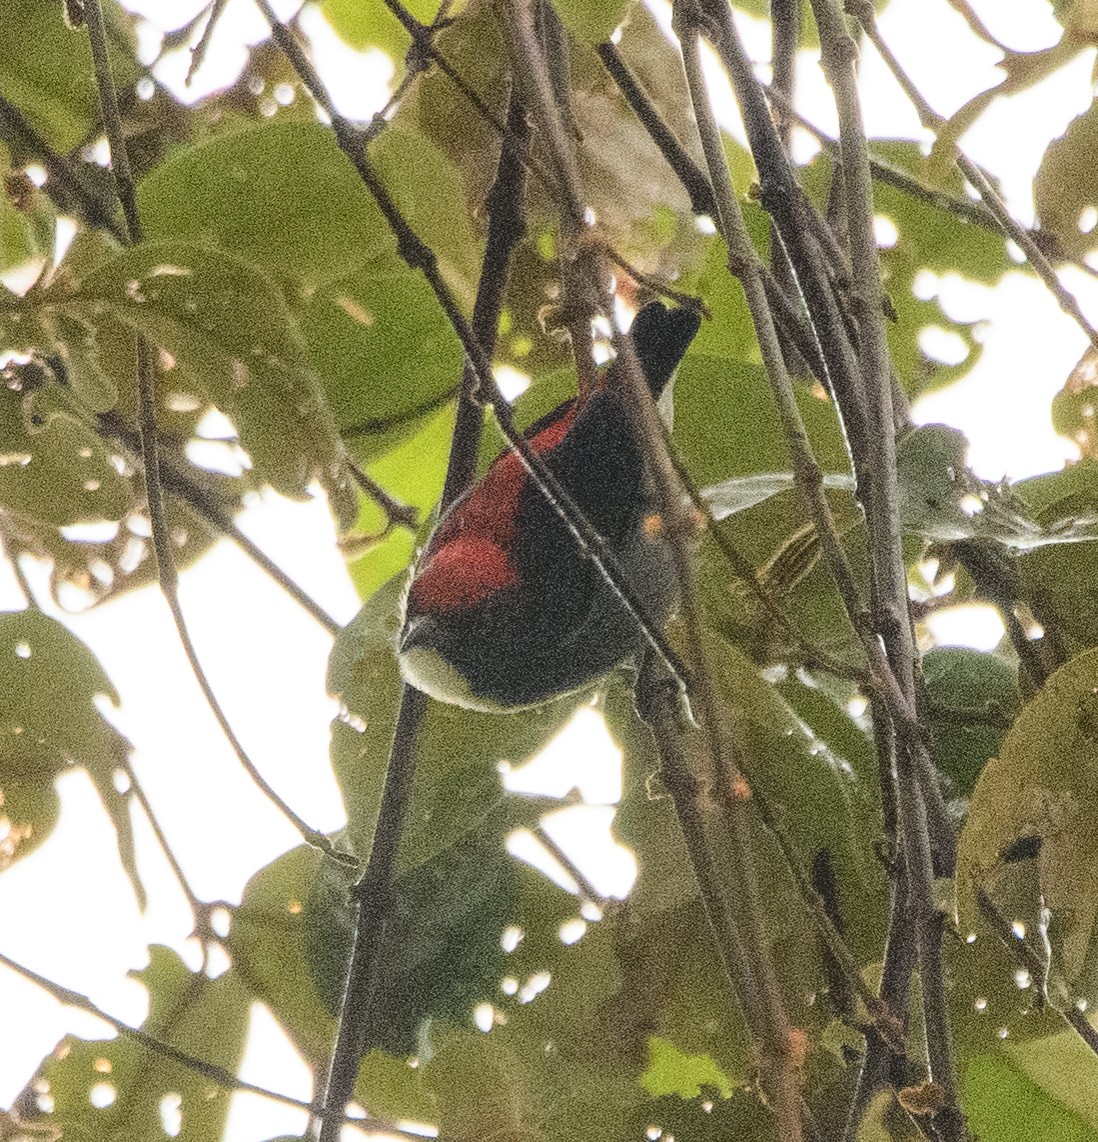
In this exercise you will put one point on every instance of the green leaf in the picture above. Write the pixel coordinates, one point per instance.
(206, 1018)
(591, 21)
(675, 984)
(717, 446)
(672, 1072)
(49, 722)
(940, 499)
(647, 220)
(413, 472)
(279, 194)
(440, 950)
(729, 333)
(457, 750)
(53, 467)
(228, 332)
(823, 803)
(775, 536)
(1002, 1102)
(481, 1092)
(282, 196)
(1067, 185)
(1056, 580)
(274, 944)
(1042, 785)
(267, 942)
(53, 85)
(369, 24)
(743, 492)
(385, 350)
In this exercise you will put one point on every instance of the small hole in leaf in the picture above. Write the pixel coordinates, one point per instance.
(534, 986)
(102, 1095)
(171, 1114)
(571, 931)
(885, 231)
(942, 345)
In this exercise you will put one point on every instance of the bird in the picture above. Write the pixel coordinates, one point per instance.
(503, 610)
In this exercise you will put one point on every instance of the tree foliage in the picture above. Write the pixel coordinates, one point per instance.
(269, 285)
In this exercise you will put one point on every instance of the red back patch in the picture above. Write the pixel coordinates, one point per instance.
(468, 557)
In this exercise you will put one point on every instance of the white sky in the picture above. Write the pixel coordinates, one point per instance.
(267, 660)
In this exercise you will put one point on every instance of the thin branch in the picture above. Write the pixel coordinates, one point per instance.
(146, 385)
(745, 265)
(420, 257)
(198, 52)
(372, 892)
(661, 710)
(177, 482)
(914, 771)
(219, 1075)
(900, 959)
(423, 40)
(782, 199)
(400, 515)
(376, 426)
(883, 171)
(976, 177)
(124, 186)
(66, 183)
(748, 957)
(692, 177)
(201, 910)
(997, 580)
(370, 897)
(747, 954)
(744, 262)
(587, 890)
(785, 202)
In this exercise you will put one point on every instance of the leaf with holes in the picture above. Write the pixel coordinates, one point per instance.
(386, 352)
(119, 1090)
(48, 723)
(1065, 191)
(53, 468)
(228, 331)
(1043, 785)
(286, 961)
(440, 950)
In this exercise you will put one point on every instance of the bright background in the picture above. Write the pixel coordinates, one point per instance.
(69, 912)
